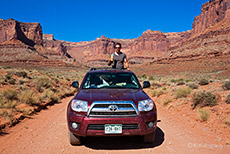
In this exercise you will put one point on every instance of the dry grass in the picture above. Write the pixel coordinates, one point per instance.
(156, 93)
(29, 97)
(34, 88)
(165, 103)
(182, 92)
(204, 114)
(10, 94)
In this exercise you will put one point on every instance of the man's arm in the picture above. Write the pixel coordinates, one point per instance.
(126, 64)
(111, 60)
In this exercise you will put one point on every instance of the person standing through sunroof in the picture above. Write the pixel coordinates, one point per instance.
(118, 58)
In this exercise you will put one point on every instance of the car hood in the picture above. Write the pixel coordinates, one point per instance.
(92, 95)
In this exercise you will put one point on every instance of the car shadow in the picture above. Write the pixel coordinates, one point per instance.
(123, 142)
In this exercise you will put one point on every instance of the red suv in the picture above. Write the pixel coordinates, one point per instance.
(111, 103)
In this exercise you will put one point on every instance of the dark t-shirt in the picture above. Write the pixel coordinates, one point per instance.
(118, 60)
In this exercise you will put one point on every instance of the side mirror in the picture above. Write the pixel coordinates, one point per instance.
(146, 84)
(75, 84)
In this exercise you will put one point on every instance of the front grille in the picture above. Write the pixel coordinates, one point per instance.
(113, 108)
(102, 126)
(111, 113)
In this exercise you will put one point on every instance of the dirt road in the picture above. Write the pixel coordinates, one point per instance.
(46, 133)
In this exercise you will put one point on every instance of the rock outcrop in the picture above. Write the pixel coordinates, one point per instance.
(28, 33)
(212, 12)
(151, 41)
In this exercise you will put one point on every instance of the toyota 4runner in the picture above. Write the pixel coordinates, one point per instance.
(111, 103)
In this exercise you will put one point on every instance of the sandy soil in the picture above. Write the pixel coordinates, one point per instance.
(46, 132)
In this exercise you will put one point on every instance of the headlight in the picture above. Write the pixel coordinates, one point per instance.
(79, 106)
(145, 105)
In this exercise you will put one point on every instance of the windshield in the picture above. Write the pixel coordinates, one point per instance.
(110, 80)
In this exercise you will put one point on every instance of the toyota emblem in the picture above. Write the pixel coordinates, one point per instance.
(113, 108)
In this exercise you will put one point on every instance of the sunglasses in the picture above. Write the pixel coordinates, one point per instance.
(117, 47)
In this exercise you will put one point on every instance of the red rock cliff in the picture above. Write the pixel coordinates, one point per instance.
(212, 12)
(28, 33)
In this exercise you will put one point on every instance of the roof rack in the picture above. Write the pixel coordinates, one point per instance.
(105, 68)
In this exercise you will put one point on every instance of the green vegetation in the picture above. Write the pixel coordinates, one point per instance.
(204, 114)
(182, 92)
(29, 97)
(151, 78)
(203, 82)
(165, 103)
(204, 99)
(43, 82)
(155, 85)
(24, 91)
(192, 85)
(156, 93)
(10, 94)
(21, 74)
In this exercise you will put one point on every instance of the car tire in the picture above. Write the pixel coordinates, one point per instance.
(74, 139)
(149, 138)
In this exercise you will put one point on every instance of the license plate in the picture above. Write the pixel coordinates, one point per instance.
(113, 129)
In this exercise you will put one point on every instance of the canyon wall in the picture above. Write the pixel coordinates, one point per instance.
(209, 35)
(212, 12)
(28, 33)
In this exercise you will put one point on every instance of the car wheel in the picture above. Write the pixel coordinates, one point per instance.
(149, 138)
(74, 139)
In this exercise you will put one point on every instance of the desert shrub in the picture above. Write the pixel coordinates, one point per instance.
(5, 103)
(7, 115)
(151, 78)
(8, 76)
(173, 80)
(226, 85)
(156, 93)
(203, 82)
(21, 82)
(155, 85)
(50, 96)
(204, 114)
(21, 74)
(68, 92)
(167, 102)
(192, 85)
(204, 99)
(55, 98)
(29, 97)
(164, 88)
(144, 76)
(6, 67)
(42, 82)
(228, 99)
(182, 92)
(188, 80)
(180, 83)
(11, 81)
(10, 94)
(180, 80)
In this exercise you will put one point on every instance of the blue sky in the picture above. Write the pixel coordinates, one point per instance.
(85, 20)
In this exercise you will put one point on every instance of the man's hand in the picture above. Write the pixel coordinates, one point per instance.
(109, 63)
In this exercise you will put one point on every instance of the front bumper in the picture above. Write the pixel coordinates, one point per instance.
(140, 121)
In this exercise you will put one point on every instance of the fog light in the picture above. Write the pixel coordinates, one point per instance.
(150, 124)
(74, 125)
